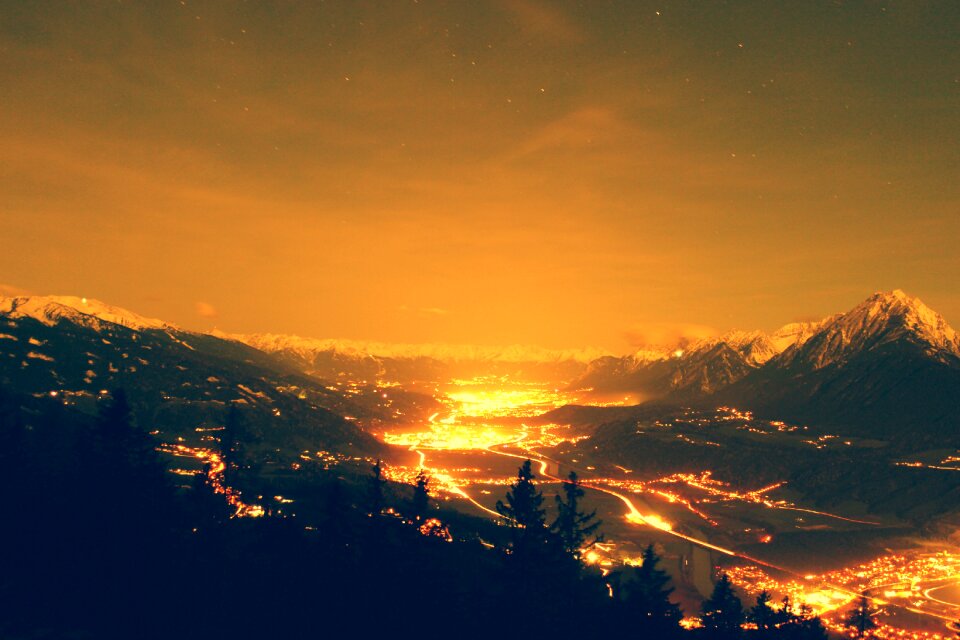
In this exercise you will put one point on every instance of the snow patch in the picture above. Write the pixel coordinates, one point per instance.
(86, 312)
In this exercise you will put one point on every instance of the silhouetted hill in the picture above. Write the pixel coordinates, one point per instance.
(177, 380)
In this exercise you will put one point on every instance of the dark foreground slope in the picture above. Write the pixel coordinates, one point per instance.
(96, 543)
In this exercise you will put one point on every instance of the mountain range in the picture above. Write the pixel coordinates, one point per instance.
(890, 364)
(420, 363)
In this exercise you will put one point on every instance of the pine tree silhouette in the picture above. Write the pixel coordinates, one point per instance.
(810, 626)
(722, 612)
(860, 619)
(763, 615)
(647, 599)
(421, 496)
(375, 489)
(523, 510)
(573, 526)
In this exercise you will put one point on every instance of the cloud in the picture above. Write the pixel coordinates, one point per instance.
(12, 291)
(543, 19)
(433, 311)
(662, 334)
(205, 309)
(583, 127)
(424, 312)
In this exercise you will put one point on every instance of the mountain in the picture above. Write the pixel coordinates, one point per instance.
(179, 382)
(703, 367)
(94, 314)
(420, 363)
(883, 319)
(890, 365)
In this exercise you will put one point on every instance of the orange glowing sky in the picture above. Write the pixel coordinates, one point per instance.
(560, 173)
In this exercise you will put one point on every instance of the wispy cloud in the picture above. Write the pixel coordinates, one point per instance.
(205, 310)
(545, 20)
(433, 311)
(424, 312)
(10, 290)
(658, 334)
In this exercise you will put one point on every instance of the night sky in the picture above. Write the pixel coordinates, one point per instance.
(562, 173)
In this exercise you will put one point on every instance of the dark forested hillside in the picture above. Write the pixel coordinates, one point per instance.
(98, 543)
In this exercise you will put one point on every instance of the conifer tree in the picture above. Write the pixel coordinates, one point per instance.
(421, 496)
(763, 615)
(722, 612)
(860, 619)
(525, 515)
(810, 626)
(534, 558)
(375, 490)
(784, 615)
(524, 506)
(127, 455)
(647, 598)
(573, 526)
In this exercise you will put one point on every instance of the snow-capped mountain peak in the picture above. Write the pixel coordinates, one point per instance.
(83, 311)
(894, 314)
(884, 318)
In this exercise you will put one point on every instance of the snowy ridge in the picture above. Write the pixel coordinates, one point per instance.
(304, 347)
(883, 318)
(82, 311)
(757, 347)
(796, 333)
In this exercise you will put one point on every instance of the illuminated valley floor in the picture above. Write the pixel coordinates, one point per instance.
(473, 449)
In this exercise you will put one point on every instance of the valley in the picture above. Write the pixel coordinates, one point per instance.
(766, 535)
